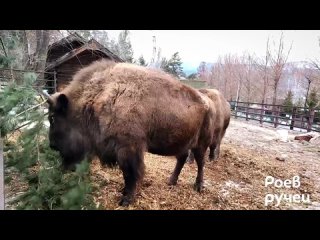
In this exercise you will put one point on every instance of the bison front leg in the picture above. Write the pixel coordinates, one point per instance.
(132, 166)
(181, 159)
(199, 156)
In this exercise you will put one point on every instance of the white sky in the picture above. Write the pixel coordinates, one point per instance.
(195, 46)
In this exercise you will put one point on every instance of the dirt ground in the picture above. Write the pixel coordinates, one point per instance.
(236, 180)
(249, 154)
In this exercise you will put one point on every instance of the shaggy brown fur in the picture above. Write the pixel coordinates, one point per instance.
(221, 123)
(118, 111)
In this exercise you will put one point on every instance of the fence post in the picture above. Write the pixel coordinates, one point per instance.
(261, 113)
(235, 109)
(2, 198)
(247, 111)
(310, 120)
(293, 116)
(277, 109)
(55, 81)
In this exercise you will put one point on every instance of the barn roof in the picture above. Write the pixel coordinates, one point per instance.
(75, 45)
(71, 38)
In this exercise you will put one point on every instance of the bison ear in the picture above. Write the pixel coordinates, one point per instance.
(62, 103)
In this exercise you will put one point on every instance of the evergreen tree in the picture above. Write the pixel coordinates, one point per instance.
(164, 65)
(101, 36)
(21, 107)
(141, 61)
(11, 49)
(313, 98)
(288, 103)
(123, 47)
(299, 103)
(193, 76)
(183, 74)
(173, 65)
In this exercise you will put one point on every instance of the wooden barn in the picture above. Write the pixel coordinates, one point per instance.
(67, 56)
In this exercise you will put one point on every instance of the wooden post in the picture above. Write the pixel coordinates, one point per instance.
(1, 176)
(236, 107)
(247, 111)
(294, 111)
(261, 113)
(55, 81)
(276, 116)
(310, 121)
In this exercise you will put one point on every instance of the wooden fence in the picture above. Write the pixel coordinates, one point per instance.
(293, 117)
(48, 81)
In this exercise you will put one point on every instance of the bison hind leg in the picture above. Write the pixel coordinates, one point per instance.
(199, 156)
(130, 160)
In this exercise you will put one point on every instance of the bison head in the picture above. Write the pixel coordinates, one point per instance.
(65, 133)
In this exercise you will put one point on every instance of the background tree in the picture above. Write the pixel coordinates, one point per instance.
(142, 61)
(278, 61)
(201, 71)
(123, 46)
(192, 76)
(28, 155)
(313, 99)
(263, 67)
(29, 51)
(288, 102)
(173, 65)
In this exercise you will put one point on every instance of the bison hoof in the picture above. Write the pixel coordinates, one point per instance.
(198, 187)
(125, 201)
(172, 181)
(213, 158)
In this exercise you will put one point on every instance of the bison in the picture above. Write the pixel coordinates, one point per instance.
(118, 111)
(221, 123)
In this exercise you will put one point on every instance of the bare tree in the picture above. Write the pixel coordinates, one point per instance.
(265, 73)
(240, 77)
(230, 76)
(278, 61)
(312, 78)
(216, 75)
(248, 65)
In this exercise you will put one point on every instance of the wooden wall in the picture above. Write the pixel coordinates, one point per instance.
(66, 70)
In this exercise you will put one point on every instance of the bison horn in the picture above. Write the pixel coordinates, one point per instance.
(47, 96)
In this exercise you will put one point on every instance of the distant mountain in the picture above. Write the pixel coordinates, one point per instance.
(189, 69)
(299, 64)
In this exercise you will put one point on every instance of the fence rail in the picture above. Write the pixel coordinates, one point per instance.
(47, 81)
(292, 117)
